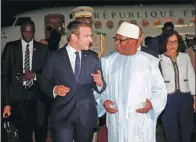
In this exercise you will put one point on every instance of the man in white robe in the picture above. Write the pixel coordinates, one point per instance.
(135, 94)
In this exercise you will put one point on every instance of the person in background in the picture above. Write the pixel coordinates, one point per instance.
(22, 64)
(54, 38)
(156, 43)
(191, 51)
(191, 44)
(179, 78)
(144, 48)
(147, 40)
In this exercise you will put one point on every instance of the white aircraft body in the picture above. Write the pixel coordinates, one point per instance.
(107, 19)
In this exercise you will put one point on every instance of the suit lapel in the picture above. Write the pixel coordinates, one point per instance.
(34, 55)
(19, 56)
(69, 71)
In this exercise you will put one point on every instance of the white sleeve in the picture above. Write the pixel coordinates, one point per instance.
(54, 93)
(158, 91)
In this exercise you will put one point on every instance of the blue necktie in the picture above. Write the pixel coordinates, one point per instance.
(77, 66)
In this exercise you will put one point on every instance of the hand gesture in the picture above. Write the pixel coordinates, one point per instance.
(6, 111)
(61, 90)
(97, 78)
(108, 106)
(146, 108)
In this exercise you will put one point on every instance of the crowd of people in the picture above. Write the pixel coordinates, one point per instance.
(137, 87)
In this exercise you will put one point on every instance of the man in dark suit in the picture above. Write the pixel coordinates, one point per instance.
(157, 43)
(71, 81)
(22, 64)
(144, 48)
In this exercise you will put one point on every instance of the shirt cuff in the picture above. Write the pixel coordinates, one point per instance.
(35, 78)
(99, 88)
(54, 95)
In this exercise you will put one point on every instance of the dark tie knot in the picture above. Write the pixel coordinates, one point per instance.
(77, 53)
(27, 45)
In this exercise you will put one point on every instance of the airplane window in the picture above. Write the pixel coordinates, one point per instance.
(8, 22)
(156, 23)
(98, 25)
(109, 24)
(180, 21)
(21, 20)
(133, 22)
(145, 23)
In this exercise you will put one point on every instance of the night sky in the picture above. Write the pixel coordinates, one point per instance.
(13, 7)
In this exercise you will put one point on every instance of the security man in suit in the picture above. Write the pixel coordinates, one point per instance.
(22, 64)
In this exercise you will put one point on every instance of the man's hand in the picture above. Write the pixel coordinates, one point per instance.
(107, 105)
(7, 110)
(97, 78)
(194, 106)
(28, 75)
(61, 90)
(146, 108)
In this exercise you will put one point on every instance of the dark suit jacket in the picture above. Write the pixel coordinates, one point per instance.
(12, 63)
(149, 51)
(58, 71)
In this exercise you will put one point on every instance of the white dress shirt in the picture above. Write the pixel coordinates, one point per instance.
(72, 56)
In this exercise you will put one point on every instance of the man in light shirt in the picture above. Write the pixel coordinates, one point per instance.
(70, 76)
(135, 94)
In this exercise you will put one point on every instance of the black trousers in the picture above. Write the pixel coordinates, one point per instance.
(194, 136)
(24, 117)
(177, 118)
(74, 131)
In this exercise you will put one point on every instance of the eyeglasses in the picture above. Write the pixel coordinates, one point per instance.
(133, 41)
(175, 42)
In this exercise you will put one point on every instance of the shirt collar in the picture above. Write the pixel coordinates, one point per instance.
(71, 49)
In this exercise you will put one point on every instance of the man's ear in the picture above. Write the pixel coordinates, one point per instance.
(74, 37)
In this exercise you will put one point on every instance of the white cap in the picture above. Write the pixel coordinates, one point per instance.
(128, 30)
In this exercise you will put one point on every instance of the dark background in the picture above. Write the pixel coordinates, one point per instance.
(14, 7)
